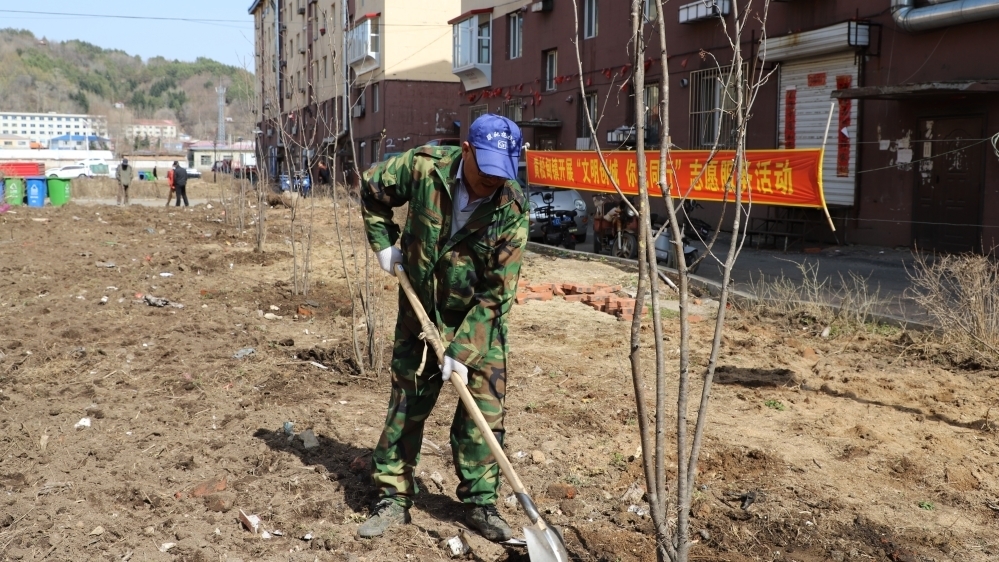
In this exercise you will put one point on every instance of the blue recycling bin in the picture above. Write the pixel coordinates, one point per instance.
(37, 191)
(285, 182)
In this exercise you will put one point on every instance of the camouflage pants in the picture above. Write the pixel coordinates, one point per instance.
(413, 398)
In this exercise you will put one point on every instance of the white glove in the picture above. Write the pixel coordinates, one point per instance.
(388, 257)
(452, 366)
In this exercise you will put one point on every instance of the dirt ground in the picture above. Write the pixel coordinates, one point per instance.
(851, 447)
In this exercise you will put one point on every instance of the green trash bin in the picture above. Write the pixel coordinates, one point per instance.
(58, 191)
(14, 188)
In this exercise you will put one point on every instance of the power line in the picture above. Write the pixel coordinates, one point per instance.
(189, 20)
(119, 16)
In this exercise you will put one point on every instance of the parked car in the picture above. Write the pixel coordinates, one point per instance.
(70, 172)
(563, 200)
(193, 173)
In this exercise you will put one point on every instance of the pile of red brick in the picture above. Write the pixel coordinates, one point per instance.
(599, 296)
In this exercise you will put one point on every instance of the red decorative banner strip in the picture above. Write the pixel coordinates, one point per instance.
(790, 116)
(773, 177)
(843, 147)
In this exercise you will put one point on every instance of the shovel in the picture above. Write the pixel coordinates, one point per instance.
(544, 542)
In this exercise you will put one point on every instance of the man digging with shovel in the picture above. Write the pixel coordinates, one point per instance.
(462, 249)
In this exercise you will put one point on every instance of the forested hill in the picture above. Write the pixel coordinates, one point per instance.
(77, 77)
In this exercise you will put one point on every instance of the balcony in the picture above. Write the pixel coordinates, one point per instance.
(471, 57)
(703, 10)
(363, 53)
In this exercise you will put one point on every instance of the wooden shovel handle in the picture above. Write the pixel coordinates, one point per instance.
(432, 336)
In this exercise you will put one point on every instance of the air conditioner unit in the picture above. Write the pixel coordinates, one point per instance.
(301, 7)
(301, 89)
(358, 111)
(301, 50)
(542, 6)
(288, 94)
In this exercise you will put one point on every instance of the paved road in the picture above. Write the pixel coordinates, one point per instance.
(884, 270)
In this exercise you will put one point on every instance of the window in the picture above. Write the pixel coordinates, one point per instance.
(516, 23)
(588, 107)
(649, 10)
(651, 99)
(514, 110)
(374, 98)
(206, 159)
(471, 41)
(484, 43)
(362, 45)
(476, 111)
(589, 19)
(712, 101)
(326, 67)
(551, 67)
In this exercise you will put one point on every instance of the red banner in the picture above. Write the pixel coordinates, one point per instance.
(773, 177)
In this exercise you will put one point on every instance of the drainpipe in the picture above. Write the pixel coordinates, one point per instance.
(942, 13)
(345, 93)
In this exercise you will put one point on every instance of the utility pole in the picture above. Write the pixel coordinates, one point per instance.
(220, 130)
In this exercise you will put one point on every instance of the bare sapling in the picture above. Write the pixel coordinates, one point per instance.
(356, 260)
(669, 504)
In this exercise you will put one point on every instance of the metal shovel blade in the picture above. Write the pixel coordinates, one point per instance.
(545, 544)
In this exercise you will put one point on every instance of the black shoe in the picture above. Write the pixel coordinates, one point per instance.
(487, 520)
(384, 515)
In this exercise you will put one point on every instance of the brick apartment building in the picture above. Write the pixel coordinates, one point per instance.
(912, 104)
(396, 80)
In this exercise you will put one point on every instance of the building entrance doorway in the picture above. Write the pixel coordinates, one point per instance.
(950, 167)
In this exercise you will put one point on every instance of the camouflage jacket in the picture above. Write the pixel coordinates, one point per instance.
(466, 282)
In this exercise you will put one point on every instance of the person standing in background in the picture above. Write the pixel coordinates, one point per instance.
(180, 183)
(124, 177)
(173, 189)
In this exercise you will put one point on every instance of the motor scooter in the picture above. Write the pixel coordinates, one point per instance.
(616, 232)
(558, 227)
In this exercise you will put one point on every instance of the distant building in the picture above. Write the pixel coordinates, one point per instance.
(42, 127)
(202, 154)
(397, 80)
(79, 142)
(12, 142)
(152, 129)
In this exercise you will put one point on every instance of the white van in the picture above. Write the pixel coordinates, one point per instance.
(97, 166)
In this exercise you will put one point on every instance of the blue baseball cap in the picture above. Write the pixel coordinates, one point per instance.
(497, 141)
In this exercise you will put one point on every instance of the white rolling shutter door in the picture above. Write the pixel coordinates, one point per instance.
(811, 111)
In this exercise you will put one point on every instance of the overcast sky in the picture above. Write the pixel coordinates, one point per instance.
(135, 29)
